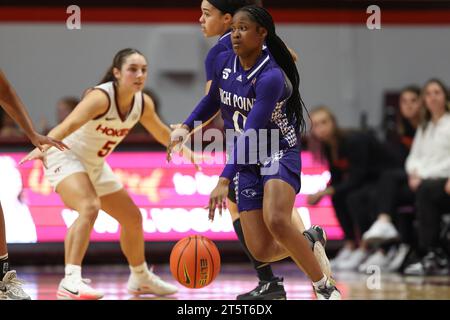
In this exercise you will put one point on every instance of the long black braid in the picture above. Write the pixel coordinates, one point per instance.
(281, 54)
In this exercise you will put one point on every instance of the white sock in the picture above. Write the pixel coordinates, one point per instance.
(4, 257)
(72, 270)
(322, 282)
(140, 270)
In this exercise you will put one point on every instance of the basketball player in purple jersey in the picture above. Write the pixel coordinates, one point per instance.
(256, 90)
(216, 20)
(10, 286)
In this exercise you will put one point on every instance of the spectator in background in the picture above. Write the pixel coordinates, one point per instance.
(428, 168)
(355, 160)
(64, 107)
(392, 189)
(8, 127)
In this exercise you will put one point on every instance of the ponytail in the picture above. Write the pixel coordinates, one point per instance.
(282, 56)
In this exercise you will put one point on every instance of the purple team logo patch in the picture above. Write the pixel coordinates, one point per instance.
(249, 193)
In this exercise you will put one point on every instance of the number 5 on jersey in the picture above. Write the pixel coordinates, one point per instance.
(106, 149)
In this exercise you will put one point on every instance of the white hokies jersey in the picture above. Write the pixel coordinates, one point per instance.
(97, 138)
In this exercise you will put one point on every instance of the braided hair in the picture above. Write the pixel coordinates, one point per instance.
(282, 56)
(231, 6)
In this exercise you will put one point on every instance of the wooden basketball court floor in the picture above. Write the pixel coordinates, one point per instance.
(42, 282)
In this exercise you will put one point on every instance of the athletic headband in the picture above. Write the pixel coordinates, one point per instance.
(227, 6)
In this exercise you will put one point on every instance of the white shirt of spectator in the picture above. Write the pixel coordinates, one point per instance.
(430, 153)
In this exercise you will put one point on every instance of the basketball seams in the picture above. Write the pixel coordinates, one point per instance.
(180, 256)
(212, 260)
(196, 258)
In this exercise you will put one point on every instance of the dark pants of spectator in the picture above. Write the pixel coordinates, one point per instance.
(360, 205)
(353, 212)
(343, 215)
(392, 191)
(431, 202)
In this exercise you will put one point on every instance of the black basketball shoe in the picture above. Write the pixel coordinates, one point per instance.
(266, 290)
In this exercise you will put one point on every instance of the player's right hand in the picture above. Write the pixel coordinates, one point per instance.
(36, 154)
(178, 136)
(43, 142)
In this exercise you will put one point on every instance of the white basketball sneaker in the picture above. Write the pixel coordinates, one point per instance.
(74, 288)
(322, 259)
(327, 291)
(317, 239)
(11, 287)
(149, 283)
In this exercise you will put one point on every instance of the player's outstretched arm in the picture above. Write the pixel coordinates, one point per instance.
(93, 104)
(12, 104)
(151, 121)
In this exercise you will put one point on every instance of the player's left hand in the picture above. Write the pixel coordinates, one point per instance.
(218, 198)
(36, 154)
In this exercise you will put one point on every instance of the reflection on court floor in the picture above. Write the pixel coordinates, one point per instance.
(42, 282)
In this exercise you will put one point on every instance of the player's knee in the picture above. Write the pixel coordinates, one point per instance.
(89, 210)
(277, 224)
(134, 220)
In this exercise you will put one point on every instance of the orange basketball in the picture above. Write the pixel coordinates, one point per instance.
(195, 261)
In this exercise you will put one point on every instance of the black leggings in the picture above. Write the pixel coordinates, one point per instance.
(431, 202)
(353, 211)
(392, 190)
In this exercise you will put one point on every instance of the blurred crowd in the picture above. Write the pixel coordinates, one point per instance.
(391, 195)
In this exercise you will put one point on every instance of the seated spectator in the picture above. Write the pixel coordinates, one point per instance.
(355, 160)
(64, 107)
(392, 189)
(8, 127)
(428, 168)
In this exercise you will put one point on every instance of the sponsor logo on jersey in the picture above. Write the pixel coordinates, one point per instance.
(249, 193)
(226, 73)
(112, 132)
